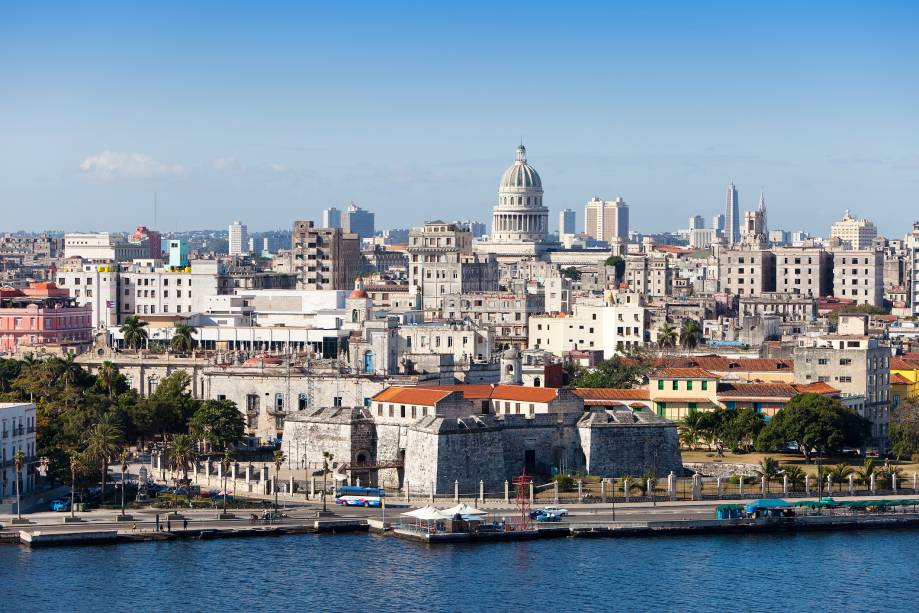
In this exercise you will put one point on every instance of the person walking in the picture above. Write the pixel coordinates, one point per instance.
(157, 523)
(168, 525)
(185, 524)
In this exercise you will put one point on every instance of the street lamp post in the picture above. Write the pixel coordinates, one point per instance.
(124, 470)
(19, 459)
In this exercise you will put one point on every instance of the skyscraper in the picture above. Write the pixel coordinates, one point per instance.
(718, 222)
(696, 222)
(357, 221)
(331, 218)
(732, 217)
(239, 239)
(606, 220)
(567, 223)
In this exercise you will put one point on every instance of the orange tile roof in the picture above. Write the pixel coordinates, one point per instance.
(757, 390)
(411, 395)
(898, 379)
(723, 364)
(902, 363)
(683, 373)
(474, 392)
(817, 387)
(612, 393)
(523, 393)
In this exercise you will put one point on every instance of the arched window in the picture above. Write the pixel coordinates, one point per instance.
(354, 315)
(536, 382)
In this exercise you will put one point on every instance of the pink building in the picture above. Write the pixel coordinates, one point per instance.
(43, 318)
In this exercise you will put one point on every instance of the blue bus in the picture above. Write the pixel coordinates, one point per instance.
(351, 496)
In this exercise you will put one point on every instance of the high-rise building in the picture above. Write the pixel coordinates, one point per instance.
(324, 258)
(239, 239)
(732, 217)
(718, 222)
(696, 222)
(356, 220)
(857, 234)
(607, 220)
(331, 218)
(567, 223)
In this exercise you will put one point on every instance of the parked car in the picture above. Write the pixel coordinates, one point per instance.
(60, 504)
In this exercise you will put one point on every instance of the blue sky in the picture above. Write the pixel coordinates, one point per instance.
(270, 113)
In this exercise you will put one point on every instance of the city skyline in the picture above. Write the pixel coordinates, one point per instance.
(409, 121)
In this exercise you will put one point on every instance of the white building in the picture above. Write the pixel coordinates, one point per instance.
(607, 327)
(239, 239)
(859, 276)
(858, 234)
(17, 433)
(103, 246)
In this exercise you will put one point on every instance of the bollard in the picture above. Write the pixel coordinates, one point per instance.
(671, 485)
(785, 484)
(696, 487)
(481, 492)
(507, 492)
(829, 485)
(893, 482)
(357, 481)
(718, 487)
(873, 484)
(312, 487)
(763, 485)
(603, 491)
(555, 484)
(532, 496)
(807, 485)
(456, 490)
(851, 485)
(625, 488)
(740, 485)
(580, 491)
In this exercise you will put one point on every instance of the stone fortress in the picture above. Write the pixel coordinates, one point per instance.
(428, 437)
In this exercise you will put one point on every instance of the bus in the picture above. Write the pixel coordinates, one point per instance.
(351, 496)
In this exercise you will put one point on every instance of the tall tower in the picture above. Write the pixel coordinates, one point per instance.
(761, 209)
(238, 238)
(732, 217)
(520, 216)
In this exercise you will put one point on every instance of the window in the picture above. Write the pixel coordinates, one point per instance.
(660, 384)
(689, 386)
(704, 386)
(692, 406)
(676, 385)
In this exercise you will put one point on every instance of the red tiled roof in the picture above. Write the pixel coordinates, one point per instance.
(717, 363)
(411, 395)
(683, 373)
(817, 387)
(611, 393)
(757, 390)
(898, 379)
(434, 393)
(904, 363)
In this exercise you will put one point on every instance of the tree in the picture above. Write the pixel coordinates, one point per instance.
(666, 336)
(815, 424)
(327, 458)
(102, 442)
(768, 468)
(840, 472)
(171, 404)
(794, 473)
(19, 459)
(690, 334)
(690, 429)
(278, 462)
(740, 427)
(628, 370)
(183, 337)
(107, 376)
(218, 422)
(133, 332)
(124, 470)
(77, 466)
(226, 462)
(618, 263)
(182, 454)
(571, 273)
(904, 430)
(864, 473)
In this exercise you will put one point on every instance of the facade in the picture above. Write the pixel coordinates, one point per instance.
(324, 258)
(607, 328)
(17, 433)
(505, 313)
(649, 274)
(567, 222)
(857, 234)
(355, 220)
(857, 366)
(607, 220)
(331, 218)
(859, 276)
(239, 239)
(178, 254)
(41, 319)
(748, 272)
(104, 246)
(732, 217)
(803, 270)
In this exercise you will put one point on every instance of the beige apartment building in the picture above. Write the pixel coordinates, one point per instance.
(324, 258)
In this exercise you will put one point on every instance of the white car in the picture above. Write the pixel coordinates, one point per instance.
(555, 511)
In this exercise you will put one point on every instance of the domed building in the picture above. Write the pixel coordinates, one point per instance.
(520, 216)
(520, 222)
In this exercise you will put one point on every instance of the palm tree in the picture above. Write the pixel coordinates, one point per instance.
(690, 334)
(666, 336)
(864, 473)
(133, 332)
(182, 453)
(887, 473)
(226, 462)
(327, 458)
(19, 458)
(691, 428)
(840, 472)
(124, 469)
(106, 376)
(102, 444)
(794, 473)
(278, 462)
(768, 468)
(182, 337)
(76, 467)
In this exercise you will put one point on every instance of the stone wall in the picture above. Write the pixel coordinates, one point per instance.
(620, 443)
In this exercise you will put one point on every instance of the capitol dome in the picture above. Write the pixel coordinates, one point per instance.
(521, 175)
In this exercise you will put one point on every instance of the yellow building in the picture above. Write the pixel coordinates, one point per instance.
(904, 380)
(676, 391)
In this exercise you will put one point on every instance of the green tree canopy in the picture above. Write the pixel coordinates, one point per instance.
(904, 430)
(218, 422)
(814, 424)
(630, 369)
(617, 262)
(571, 272)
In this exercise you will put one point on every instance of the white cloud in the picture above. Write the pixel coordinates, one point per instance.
(117, 165)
